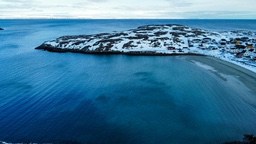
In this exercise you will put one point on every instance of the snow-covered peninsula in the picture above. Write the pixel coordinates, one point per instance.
(238, 47)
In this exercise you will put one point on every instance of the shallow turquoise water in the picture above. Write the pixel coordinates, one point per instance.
(51, 97)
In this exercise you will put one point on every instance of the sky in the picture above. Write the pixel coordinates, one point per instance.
(129, 9)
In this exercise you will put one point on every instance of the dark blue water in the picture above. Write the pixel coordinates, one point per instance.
(75, 98)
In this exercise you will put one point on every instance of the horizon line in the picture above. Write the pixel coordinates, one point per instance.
(59, 18)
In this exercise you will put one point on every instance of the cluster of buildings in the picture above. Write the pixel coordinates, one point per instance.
(240, 47)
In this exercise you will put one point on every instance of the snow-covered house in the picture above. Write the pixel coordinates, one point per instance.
(247, 54)
(234, 50)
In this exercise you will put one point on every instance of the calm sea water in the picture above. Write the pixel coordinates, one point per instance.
(75, 98)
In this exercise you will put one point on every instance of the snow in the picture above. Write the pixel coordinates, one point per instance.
(52, 43)
(246, 66)
(191, 42)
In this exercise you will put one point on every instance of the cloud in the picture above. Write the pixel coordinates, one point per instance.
(97, 1)
(127, 9)
(180, 3)
(210, 14)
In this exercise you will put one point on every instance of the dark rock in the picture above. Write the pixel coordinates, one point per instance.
(180, 28)
(111, 41)
(133, 37)
(171, 48)
(128, 45)
(177, 34)
(156, 44)
(86, 48)
(79, 42)
(207, 40)
(1, 29)
(147, 28)
(117, 35)
(244, 39)
(160, 33)
(196, 41)
(163, 38)
(223, 43)
(240, 46)
(142, 36)
(198, 32)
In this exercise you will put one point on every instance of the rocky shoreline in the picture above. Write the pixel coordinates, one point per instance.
(170, 39)
(143, 53)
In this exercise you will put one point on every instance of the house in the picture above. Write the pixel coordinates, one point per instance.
(237, 41)
(244, 39)
(171, 48)
(249, 45)
(234, 50)
(247, 54)
(240, 46)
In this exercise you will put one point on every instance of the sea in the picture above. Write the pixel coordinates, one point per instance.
(114, 99)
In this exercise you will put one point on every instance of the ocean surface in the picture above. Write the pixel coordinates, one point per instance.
(75, 98)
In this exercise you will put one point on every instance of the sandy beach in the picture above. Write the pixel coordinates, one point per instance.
(247, 77)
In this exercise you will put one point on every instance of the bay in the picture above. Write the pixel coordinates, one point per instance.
(76, 98)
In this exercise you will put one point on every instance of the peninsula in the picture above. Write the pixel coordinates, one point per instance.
(238, 47)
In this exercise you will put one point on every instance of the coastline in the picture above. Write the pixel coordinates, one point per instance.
(238, 47)
(210, 60)
(236, 65)
(71, 89)
(246, 76)
(136, 53)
